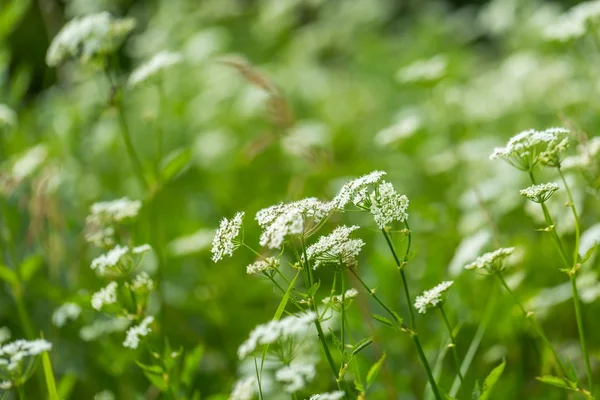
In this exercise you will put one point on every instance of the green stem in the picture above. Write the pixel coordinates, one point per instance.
(137, 165)
(343, 328)
(21, 390)
(23, 315)
(529, 316)
(375, 297)
(159, 125)
(400, 266)
(452, 342)
(575, 215)
(578, 314)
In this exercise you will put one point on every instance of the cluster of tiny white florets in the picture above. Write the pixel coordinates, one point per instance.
(134, 333)
(260, 266)
(540, 193)
(224, 241)
(337, 395)
(104, 215)
(423, 70)
(88, 37)
(103, 326)
(493, 261)
(117, 260)
(356, 191)
(530, 148)
(64, 313)
(339, 299)
(106, 295)
(388, 206)
(432, 298)
(288, 219)
(337, 248)
(154, 66)
(142, 283)
(293, 326)
(13, 354)
(244, 389)
(8, 118)
(574, 23)
(295, 376)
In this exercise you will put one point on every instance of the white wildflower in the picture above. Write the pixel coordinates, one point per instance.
(587, 155)
(4, 334)
(134, 333)
(432, 298)
(388, 206)
(106, 295)
(336, 248)
(423, 70)
(64, 313)
(292, 326)
(109, 260)
(403, 128)
(104, 395)
(493, 261)
(29, 162)
(88, 37)
(100, 237)
(5, 385)
(154, 66)
(244, 389)
(529, 148)
(295, 376)
(288, 219)
(260, 266)
(102, 327)
(190, 244)
(141, 249)
(540, 193)
(115, 211)
(337, 395)
(574, 23)
(8, 118)
(142, 283)
(14, 353)
(337, 299)
(224, 240)
(356, 191)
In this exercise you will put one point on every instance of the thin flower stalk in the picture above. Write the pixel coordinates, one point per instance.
(452, 342)
(135, 160)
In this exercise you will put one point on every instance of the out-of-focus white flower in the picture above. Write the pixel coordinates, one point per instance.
(115, 211)
(589, 239)
(288, 219)
(260, 266)
(13, 354)
(432, 298)
(8, 118)
(427, 70)
(153, 67)
(106, 295)
(104, 395)
(388, 206)
(493, 261)
(540, 193)
(467, 250)
(142, 283)
(401, 129)
(134, 333)
(64, 313)
(88, 37)
(574, 23)
(5, 385)
(339, 299)
(337, 395)
(305, 137)
(336, 248)
(356, 191)
(29, 162)
(529, 148)
(295, 376)
(224, 242)
(118, 259)
(292, 326)
(190, 244)
(102, 327)
(587, 155)
(244, 389)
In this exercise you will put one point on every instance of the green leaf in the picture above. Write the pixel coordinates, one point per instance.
(175, 163)
(374, 371)
(50, 382)
(337, 342)
(191, 363)
(361, 345)
(154, 369)
(157, 380)
(383, 320)
(66, 385)
(8, 275)
(491, 380)
(588, 253)
(562, 383)
(30, 266)
(358, 385)
(313, 289)
(476, 391)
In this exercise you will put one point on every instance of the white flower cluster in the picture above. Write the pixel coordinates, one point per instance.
(337, 299)
(134, 333)
(29, 162)
(573, 23)
(142, 283)
(529, 148)
(8, 118)
(104, 215)
(260, 266)
(106, 295)
(337, 395)
(102, 327)
(432, 298)
(540, 193)
(493, 261)
(64, 313)
(224, 239)
(288, 219)
(587, 155)
(152, 67)
(423, 70)
(388, 206)
(356, 191)
(401, 129)
(117, 260)
(336, 248)
(88, 37)
(244, 389)
(296, 376)
(14, 353)
(292, 326)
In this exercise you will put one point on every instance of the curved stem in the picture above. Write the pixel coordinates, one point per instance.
(452, 342)
(575, 215)
(374, 296)
(137, 165)
(343, 312)
(578, 315)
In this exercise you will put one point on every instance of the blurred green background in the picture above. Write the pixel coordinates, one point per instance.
(346, 107)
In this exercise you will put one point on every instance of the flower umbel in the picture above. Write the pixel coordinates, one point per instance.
(337, 395)
(106, 295)
(388, 206)
(224, 242)
(493, 261)
(153, 67)
(336, 248)
(540, 193)
(260, 266)
(432, 298)
(356, 191)
(134, 333)
(296, 376)
(17, 359)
